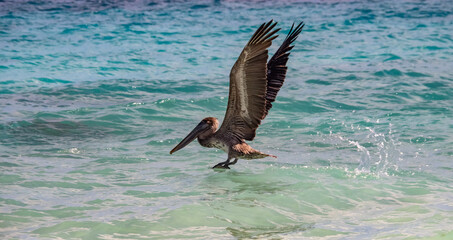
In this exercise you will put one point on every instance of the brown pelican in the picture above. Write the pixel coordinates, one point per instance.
(254, 84)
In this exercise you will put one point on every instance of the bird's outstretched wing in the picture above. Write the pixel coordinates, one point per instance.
(248, 86)
(276, 67)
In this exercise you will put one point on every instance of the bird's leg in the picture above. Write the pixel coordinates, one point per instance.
(233, 162)
(223, 164)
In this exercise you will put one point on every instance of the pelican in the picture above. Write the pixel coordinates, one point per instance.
(254, 84)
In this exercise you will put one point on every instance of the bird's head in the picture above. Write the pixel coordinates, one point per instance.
(203, 130)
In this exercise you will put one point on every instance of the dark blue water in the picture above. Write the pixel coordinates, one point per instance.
(94, 94)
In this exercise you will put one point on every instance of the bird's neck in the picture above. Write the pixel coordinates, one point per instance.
(206, 140)
(207, 134)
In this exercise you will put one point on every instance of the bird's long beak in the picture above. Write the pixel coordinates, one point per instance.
(201, 127)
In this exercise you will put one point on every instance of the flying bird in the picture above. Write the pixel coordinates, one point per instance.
(254, 84)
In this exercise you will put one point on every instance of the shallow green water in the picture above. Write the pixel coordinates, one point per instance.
(94, 95)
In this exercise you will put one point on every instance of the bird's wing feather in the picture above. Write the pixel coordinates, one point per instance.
(248, 83)
(276, 67)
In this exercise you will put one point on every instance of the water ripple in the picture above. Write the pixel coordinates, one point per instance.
(94, 94)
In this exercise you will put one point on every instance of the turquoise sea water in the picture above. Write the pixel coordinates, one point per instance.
(94, 94)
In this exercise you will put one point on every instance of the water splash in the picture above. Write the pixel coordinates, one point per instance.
(379, 150)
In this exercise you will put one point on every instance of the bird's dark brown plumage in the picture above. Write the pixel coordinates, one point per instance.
(276, 67)
(248, 84)
(254, 85)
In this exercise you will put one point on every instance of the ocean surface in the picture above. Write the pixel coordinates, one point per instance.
(94, 95)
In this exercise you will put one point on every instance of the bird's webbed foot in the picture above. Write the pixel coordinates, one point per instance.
(221, 165)
(225, 165)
